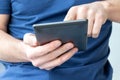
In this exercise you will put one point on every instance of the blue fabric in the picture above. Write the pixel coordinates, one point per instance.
(91, 64)
(5, 6)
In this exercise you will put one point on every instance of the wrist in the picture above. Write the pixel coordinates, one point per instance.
(107, 5)
(112, 7)
(23, 49)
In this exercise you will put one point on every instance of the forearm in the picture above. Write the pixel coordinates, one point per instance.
(10, 49)
(113, 9)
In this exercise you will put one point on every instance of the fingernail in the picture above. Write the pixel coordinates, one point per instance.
(95, 36)
(57, 43)
(41, 67)
(48, 69)
(76, 49)
(89, 35)
(70, 45)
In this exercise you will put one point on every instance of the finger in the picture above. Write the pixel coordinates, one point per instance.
(82, 12)
(30, 39)
(99, 21)
(71, 15)
(59, 60)
(43, 50)
(91, 18)
(53, 55)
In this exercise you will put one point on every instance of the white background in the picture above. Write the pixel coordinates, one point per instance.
(115, 51)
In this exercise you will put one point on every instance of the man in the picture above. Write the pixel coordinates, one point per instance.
(24, 58)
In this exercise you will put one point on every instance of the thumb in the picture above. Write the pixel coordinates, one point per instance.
(30, 39)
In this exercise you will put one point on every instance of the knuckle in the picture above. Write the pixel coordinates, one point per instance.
(73, 8)
(91, 13)
(71, 13)
(82, 9)
(60, 61)
(100, 16)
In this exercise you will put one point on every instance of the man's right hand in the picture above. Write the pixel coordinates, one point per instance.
(49, 55)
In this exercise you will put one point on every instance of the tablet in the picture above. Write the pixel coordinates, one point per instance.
(67, 31)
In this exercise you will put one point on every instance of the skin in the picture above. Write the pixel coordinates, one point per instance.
(54, 54)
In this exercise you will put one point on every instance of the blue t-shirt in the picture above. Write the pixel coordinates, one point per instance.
(91, 64)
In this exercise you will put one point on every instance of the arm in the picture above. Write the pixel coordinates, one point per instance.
(10, 49)
(46, 56)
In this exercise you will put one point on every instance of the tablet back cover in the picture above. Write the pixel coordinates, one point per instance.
(69, 31)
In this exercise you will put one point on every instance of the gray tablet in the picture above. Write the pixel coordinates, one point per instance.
(68, 31)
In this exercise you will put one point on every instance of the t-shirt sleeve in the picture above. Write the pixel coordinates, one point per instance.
(5, 6)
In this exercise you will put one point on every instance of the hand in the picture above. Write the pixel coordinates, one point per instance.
(95, 13)
(49, 55)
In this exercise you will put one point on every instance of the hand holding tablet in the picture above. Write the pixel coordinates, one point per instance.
(68, 31)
